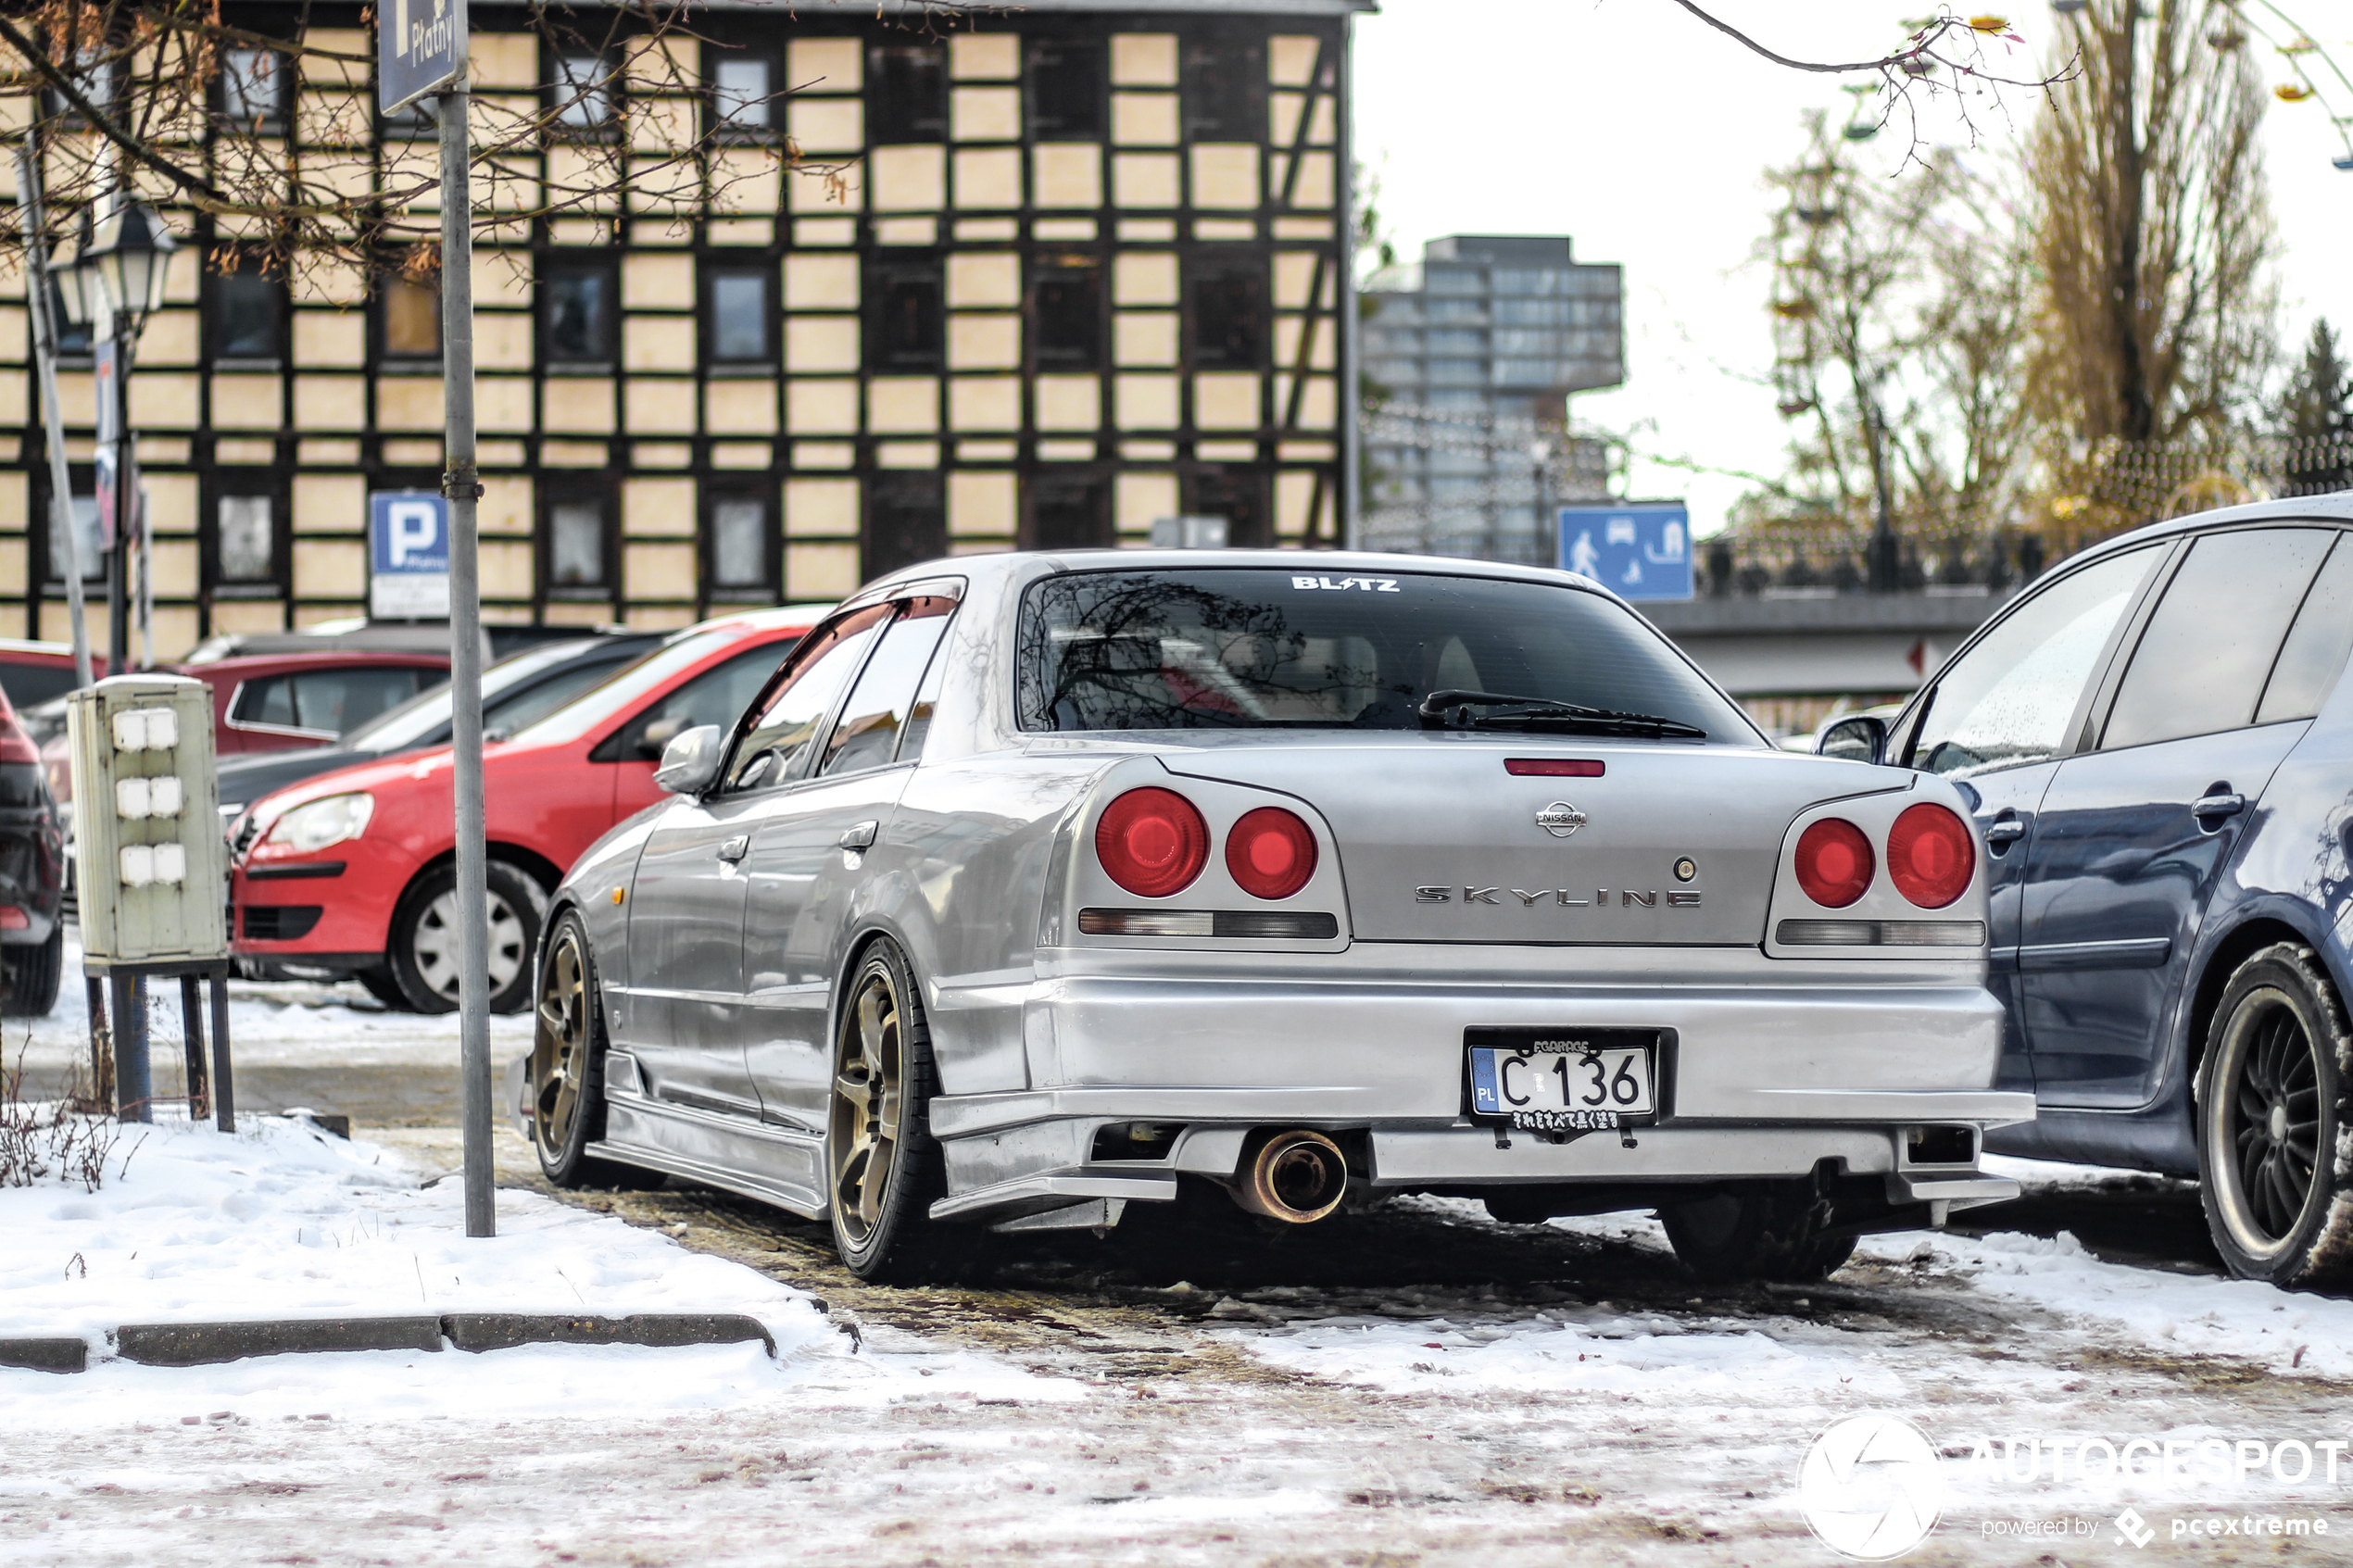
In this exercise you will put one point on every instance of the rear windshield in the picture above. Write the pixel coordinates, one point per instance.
(1249, 647)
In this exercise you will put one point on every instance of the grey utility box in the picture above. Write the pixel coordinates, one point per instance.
(152, 864)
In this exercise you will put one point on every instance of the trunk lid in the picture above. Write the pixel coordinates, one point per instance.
(1438, 842)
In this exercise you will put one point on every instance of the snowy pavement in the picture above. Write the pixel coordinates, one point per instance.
(1417, 1384)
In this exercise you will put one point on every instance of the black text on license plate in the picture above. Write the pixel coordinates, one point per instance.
(1563, 1084)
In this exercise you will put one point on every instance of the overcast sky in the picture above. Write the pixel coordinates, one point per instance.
(1633, 128)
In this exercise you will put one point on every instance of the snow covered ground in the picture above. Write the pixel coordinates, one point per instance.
(1424, 1385)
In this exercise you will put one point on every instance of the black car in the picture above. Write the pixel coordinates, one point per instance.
(517, 690)
(32, 878)
(2157, 740)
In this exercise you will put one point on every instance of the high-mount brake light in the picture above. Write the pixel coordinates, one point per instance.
(1930, 856)
(1271, 853)
(1553, 768)
(1153, 842)
(1834, 862)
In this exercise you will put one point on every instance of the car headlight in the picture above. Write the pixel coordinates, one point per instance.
(311, 827)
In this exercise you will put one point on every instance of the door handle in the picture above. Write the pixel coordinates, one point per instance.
(2212, 808)
(858, 835)
(2002, 834)
(734, 848)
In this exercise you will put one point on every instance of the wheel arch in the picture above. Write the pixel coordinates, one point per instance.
(2221, 961)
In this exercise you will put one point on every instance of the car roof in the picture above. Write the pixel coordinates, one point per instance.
(214, 670)
(780, 616)
(1327, 563)
(2336, 508)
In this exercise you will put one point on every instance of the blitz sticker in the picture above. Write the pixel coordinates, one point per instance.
(1346, 584)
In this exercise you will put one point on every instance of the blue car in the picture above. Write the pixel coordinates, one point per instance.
(2157, 743)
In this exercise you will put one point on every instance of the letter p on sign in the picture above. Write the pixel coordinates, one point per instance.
(415, 531)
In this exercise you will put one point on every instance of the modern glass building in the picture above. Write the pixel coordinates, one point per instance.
(1470, 356)
(1083, 267)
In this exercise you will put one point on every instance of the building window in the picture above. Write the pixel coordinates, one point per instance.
(252, 87)
(94, 77)
(247, 550)
(906, 522)
(740, 94)
(411, 318)
(1066, 91)
(576, 545)
(71, 339)
(1067, 305)
(1230, 315)
(907, 94)
(248, 312)
(740, 317)
(579, 306)
(1224, 89)
(85, 536)
(740, 561)
(1069, 511)
(905, 324)
(1239, 496)
(583, 91)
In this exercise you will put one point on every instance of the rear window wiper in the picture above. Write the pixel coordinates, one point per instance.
(1450, 710)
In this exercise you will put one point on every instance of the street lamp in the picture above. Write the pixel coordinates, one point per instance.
(113, 278)
(132, 253)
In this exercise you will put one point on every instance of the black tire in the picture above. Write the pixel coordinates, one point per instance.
(423, 961)
(882, 1179)
(34, 973)
(564, 1083)
(379, 985)
(1771, 1231)
(2271, 1113)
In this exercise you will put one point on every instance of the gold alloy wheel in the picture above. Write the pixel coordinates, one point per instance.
(870, 1080)
(560, 1045)
(2264, 1123)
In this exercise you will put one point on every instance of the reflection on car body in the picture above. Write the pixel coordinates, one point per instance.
(1034, 886)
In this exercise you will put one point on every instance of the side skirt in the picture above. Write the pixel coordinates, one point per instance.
(769, 1163)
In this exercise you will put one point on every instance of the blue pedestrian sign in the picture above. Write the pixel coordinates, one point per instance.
(407, 555)
(1640, 550)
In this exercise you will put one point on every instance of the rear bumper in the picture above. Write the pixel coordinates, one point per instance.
(1767, 1069)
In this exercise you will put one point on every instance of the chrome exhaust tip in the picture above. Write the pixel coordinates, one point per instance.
(1297, 1176)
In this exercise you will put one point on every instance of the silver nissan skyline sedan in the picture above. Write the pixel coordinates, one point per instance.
(1032, 887)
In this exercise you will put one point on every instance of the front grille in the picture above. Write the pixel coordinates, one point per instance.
(281, 922)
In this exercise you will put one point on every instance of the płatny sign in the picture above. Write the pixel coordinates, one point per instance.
(407, 555)
(420, 49)
(1640, 551)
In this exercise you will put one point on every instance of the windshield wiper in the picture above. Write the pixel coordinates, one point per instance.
(1449, 709)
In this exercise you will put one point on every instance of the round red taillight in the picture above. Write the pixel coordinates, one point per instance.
(1271, 853)
(1153, 842)
(1930, 856)
(1834, 862)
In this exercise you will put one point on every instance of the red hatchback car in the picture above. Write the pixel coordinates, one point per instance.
(352, 872)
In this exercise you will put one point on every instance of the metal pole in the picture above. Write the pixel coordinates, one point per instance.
(192, 1040)
(1352, 435)
(133, 1085)
(224, 1088)
(45, 354)
(461, 484)
(110, 391)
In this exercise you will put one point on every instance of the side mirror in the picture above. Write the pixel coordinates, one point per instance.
(1862, 738)
(690, 762)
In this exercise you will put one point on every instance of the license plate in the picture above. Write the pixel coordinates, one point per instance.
(1565, 1080)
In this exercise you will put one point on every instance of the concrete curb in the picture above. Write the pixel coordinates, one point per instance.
(207, 1344)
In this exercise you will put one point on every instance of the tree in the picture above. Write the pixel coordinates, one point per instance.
(2153, 324)
(1899, 342)
(167, 99)
(2316, 419)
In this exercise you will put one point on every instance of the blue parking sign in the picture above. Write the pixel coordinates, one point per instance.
(1642, 550)
(407, 555)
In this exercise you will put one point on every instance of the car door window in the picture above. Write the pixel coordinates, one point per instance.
(911, 744)
(716, 696)
(266, 701)
(775, 749)
(2202, 660)
(341, 700)
(2007, 701)
(867, 734)
(2318, 644)
(517, 710)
